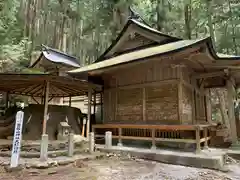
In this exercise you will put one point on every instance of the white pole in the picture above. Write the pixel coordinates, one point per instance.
(16, 146)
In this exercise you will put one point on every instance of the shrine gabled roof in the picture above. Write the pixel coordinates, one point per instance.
(56, 57)
(164, 49)
(134, 26)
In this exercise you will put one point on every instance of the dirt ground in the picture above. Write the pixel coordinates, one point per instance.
(115, 168)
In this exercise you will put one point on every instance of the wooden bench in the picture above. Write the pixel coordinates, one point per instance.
(154, 133)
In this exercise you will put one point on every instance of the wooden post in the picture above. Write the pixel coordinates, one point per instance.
(46, 94)
(119, 137)
(101, 99)
(7, 101)
(83, 127)
(144, 104)
(116, 105)
(206, 138)
(208, 106)
(89, 111)
(198, 144)
(231, 115)
(94, 103)
(180, 95)
(70, 101)
(193, 82)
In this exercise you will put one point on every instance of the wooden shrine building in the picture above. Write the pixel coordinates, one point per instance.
(155, 81)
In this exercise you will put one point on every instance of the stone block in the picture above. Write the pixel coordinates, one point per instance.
(108, 139)
(44, 148)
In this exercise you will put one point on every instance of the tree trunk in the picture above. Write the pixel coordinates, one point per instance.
(233, 29)
(210, 24)
(161, 14)
(188, 16)
(27, 19)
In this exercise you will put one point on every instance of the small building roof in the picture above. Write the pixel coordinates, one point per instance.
(34, 85)
(54, 59)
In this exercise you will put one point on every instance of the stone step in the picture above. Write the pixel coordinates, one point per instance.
(210, 160)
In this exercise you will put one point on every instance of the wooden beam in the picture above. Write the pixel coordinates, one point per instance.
(45, 107)
(151, 126)
(154, 83)
(36, 101)
(209, 75)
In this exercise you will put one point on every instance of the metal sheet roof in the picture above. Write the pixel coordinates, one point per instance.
(152, 51)
(57, 57)
(144, 53)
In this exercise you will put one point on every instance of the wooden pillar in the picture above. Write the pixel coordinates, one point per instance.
(180, 95)
(101, 99)
(193, 82)
(70, 101)
(89, 110)
(7, 100)
(231, 115)
(94, 102)
(198, 143)
(201, 108)
(208, 105)
(46, 94)
(205, 132)
(144, 104)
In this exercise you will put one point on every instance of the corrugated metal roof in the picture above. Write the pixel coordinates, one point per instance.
(144, 53)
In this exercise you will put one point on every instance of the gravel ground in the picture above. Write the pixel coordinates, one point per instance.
(114, 168)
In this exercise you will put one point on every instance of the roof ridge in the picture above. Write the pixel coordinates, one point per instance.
(58, 51)
(129, 22)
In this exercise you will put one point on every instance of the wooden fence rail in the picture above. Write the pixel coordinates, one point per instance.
(196, 134)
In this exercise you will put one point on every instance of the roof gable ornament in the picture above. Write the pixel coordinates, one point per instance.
(145, 37)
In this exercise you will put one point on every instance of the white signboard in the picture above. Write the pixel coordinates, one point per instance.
(17, 139)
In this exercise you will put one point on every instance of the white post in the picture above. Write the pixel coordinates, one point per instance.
(17, 139)
(44, 148)
(70, 144)
(108, 139)
(91, 142)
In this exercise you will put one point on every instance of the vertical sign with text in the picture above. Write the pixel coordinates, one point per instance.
(17, 139)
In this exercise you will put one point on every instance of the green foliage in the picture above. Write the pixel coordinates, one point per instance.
(12, 43)
(91, 25)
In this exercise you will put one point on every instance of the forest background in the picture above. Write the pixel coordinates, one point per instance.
(85, 28)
